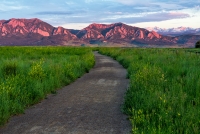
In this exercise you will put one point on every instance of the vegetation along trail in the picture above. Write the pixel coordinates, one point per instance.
(90, 105)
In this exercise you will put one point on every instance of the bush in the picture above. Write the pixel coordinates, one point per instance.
(83, 45)
(197, 44)
(9, 69)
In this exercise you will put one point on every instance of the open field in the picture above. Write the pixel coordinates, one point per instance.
(28, 74)
(164, 92)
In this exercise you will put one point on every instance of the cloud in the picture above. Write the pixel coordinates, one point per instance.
(173, 15)
(75, 12)
(54, 13)
(10, 6)
(97, 1)
(134, 2)
(184, 3)
(113, 13)
(101, 11)
(146, 17)
(168, 5)
(70, 3)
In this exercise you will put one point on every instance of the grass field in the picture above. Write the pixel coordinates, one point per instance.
(164, 92)
(163, 96)
(28, 74)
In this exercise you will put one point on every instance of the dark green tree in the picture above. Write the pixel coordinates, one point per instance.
(197, 44)
(83, 45)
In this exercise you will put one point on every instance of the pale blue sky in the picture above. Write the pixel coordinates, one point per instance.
(79, 13)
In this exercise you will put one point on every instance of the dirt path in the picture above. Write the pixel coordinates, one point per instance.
(91, 105)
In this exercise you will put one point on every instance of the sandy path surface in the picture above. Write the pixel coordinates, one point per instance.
(90, 105)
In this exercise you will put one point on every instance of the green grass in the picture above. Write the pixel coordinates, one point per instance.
(164, 92)
(28, 74)
(163, 96)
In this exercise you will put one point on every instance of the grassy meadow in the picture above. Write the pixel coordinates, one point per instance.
(164, 91)
(163, 96)
(28, 74)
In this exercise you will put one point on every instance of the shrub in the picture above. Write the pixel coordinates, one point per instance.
(197, 44)
(9, 69)
(83, 45)
(37, 71)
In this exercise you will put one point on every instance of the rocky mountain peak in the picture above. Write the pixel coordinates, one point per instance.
(118, 31)
(96, 26)
(15, 22)
(64, 32)
(156, 34)
(35, 27)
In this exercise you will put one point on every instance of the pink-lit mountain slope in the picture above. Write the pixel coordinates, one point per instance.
(37, 32)
(32, 32)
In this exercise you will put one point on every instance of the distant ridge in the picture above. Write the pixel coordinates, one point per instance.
(175, 31)
(36, 32)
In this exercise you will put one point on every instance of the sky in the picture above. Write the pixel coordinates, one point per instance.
(77, 14)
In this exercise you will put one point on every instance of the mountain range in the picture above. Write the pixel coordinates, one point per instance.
(175, 31)
(37, 32)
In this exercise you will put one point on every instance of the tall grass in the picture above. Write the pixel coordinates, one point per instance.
(164, 92)
(28, 74)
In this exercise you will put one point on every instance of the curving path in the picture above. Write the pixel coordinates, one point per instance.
(91, 105)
